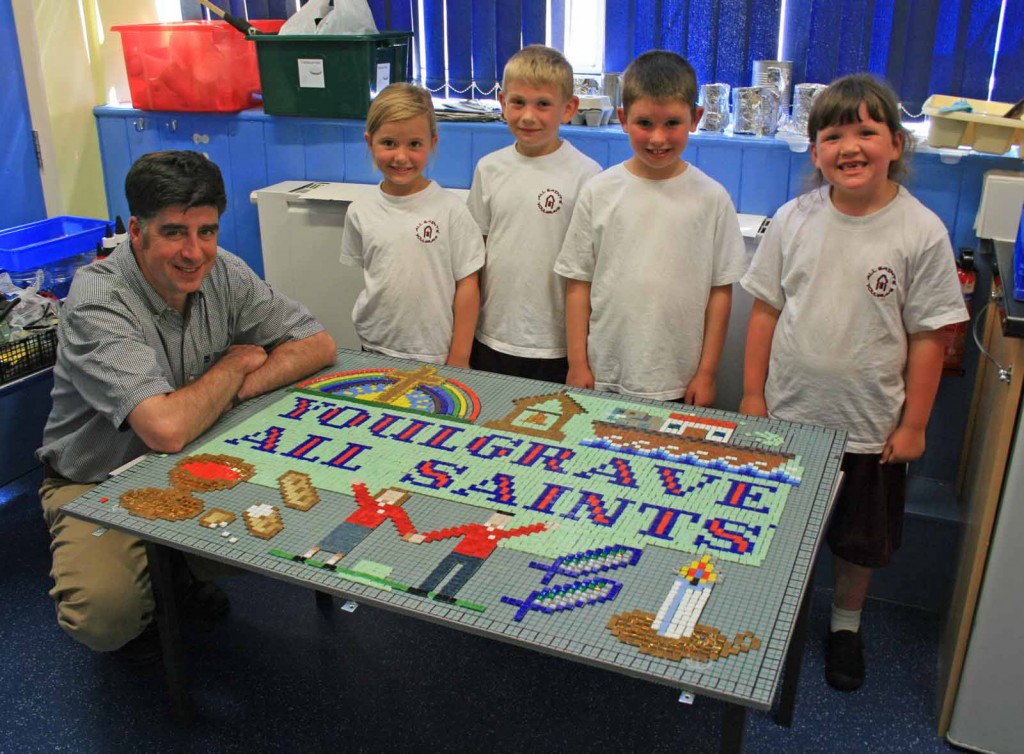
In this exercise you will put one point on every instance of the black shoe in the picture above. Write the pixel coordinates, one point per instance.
(142, 651)
(205, 602)
(445, 598)
(844, 660)
(417, 591)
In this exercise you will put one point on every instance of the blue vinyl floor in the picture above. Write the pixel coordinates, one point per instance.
(278, 675)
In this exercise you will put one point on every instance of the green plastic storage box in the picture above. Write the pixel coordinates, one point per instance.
(329, 76)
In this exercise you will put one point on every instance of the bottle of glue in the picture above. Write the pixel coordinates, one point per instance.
(112, 238)
(107, 244)
(120, 234)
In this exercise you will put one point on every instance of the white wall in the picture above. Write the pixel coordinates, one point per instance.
(73, 62)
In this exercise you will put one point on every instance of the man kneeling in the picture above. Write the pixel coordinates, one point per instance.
(156, 342)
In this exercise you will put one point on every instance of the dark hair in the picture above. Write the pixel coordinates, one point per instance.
(839, 105)
(660, 75)
(161, 179)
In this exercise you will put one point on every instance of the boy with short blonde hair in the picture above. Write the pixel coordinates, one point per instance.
(538, 65)
(652, 252)
(523, 198)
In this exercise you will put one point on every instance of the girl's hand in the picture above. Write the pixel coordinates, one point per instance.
(580, 377)
(455, 361)
(754, 405)
(905, 444)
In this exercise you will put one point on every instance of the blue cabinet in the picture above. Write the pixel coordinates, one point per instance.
(24, 406)
(256, 150)
(126, 135)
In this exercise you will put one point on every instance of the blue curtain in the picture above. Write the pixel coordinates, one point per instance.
(390, 15)
(1010, 63)
(485, 45)
(920, 47)
(481, 36)
(191, 10)
(433, 68)
(720, 38)
(267, 8)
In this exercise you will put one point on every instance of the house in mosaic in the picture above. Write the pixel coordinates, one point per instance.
(540, 416)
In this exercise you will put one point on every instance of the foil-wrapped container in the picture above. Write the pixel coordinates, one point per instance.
(803, 99)
(715, 99)
(777, 73)
(775, 76)
(771, 104)
(746, 109)
(755, 110)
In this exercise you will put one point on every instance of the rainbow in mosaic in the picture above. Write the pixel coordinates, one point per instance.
(419, 389)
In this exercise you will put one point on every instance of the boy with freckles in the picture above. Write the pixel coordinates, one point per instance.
(652, 252)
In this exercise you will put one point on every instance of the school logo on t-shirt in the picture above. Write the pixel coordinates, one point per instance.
(549, 201)
(881, 282)
(428, 231)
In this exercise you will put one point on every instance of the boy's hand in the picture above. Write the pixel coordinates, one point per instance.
(754, 405)
(700, 391)
(905, 444)
(454, 361)
(580, 377)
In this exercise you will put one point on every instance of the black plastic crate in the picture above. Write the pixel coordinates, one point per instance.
(28, 355)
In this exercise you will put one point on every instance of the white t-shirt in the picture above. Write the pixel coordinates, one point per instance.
(850, 289)
(412, 250)
(523, 205)
(652, 250)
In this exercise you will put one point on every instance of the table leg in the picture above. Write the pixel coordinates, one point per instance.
(734, 721)
(168, 621)
(791, 671)
(325, 603)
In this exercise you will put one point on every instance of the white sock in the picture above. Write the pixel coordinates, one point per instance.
(845, 620)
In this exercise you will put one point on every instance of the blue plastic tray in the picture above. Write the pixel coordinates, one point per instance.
(29, 247)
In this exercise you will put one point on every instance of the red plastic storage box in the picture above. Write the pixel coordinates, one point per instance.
(192, 66)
